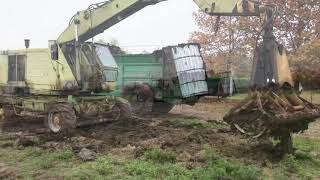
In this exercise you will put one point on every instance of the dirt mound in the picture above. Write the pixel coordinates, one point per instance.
(141, 135)
(157, 132)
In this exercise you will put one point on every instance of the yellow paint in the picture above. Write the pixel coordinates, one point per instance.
(284, 73)
(41, 72)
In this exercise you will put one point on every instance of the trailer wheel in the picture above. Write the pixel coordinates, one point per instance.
(60, 117)
(162, 107)
(140, 97)
(123, 106)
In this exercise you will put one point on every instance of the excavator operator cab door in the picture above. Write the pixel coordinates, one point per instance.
(109, 67)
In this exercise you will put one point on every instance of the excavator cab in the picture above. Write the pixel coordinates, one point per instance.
(109, 67)
(98, 69)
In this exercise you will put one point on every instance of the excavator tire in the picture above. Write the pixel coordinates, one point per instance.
(8, 117)
(60, 117)
(7, 173)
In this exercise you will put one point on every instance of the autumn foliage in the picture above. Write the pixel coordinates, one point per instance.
(306, 64)
(229, 41)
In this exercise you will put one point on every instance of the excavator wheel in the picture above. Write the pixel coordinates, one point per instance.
(7, 173)
(8, 117)
(60, 117)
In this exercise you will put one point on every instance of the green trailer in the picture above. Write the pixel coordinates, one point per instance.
(169, 76)
(133, 68)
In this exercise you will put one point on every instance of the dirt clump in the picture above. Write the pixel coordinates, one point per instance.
(28, 140)
(87, 155)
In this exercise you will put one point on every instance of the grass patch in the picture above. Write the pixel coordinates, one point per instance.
(218, 168)
(305, 163)
(221, 168)
(238, 96)
(307, 145)
(31, 161)
(37, 163)
(148, 170)
(194, 123)
(302, 166)
(102, 167)
(312, 96)
(160, 156)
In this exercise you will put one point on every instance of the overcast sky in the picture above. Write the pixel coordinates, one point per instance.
(167, 23)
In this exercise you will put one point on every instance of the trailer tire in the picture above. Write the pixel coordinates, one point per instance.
(125, 109)
(60, 117)
(162, 107)
(140, 97)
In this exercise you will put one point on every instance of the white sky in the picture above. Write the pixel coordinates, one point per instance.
(167, 23)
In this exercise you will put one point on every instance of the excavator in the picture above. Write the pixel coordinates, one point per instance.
(74, 67)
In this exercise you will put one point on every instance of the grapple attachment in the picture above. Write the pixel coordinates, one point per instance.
(272, 113)
(272, 109)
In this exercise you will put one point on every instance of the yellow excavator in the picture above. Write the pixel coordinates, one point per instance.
(272, 109)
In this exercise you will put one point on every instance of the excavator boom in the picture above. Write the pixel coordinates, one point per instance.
(101, 16)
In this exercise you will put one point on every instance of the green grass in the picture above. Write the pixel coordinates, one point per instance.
(304, 164)
(31, 161)
(312, 96)
(217, 168)
(307, 145)
(194, 123)
(38, 163)
(221, 168)
(239, 96)
(160, 156)
(104, 166)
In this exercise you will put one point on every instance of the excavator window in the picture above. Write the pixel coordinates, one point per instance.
(105, 56)
(110, 67)
(16, 71)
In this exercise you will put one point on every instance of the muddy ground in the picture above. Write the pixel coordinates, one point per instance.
(185, 131)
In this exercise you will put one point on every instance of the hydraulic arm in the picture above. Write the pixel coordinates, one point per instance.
(101, 16)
